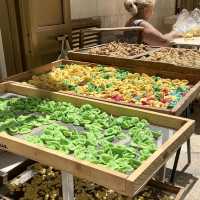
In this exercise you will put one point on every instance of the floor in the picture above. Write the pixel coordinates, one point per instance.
(191, 176)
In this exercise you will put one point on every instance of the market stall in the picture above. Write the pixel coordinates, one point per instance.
(102, 125)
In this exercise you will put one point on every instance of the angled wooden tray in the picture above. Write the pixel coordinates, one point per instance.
(84, 55)
(125, 184)
(163, 70)
(195, 65)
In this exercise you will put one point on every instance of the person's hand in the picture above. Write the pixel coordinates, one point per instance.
(175, 34)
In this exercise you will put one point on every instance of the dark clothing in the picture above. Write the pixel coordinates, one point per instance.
(132, 36)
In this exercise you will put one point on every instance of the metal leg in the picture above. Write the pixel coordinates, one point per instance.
(161, 174)
(187, 115)
(67, 186)
(175, 165)
(189, 151)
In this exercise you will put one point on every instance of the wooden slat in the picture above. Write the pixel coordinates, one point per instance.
(85, 23)
(136, 28)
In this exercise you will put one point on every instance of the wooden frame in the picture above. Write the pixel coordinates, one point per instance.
(164, 63)
(179, 191)
(163, 70)
(84, 55)
(125, 184)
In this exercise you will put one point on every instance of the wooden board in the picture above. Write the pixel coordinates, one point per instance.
(125, 184)
(84, 55)
(195, 41)
(163, 70)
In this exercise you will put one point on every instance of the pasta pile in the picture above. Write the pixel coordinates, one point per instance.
(46, 185)
(176, 56)
(118, 49)
(114, 84)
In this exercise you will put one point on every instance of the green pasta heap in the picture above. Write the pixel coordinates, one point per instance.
(120, 143)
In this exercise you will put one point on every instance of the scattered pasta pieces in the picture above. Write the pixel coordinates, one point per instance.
(114, 84)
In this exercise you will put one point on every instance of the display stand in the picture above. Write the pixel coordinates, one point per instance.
(67, 186)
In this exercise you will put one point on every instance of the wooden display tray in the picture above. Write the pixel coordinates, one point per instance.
(84, 55)
(128, 185)
(163, 70)
(178, 192)
(196, 66)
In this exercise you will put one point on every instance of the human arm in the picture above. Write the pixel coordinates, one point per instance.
(154, 37)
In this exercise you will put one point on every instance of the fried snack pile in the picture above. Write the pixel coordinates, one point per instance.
(176, 56)
(113, 84)
(46, 185)
(195, 32)
(117, 49)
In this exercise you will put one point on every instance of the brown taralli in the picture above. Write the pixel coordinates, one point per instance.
(46, 184)
(179, 57)
(119, 49)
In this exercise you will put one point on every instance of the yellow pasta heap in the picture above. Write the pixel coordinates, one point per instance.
(113, 84)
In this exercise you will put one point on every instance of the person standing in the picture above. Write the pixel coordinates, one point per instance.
(142, 11)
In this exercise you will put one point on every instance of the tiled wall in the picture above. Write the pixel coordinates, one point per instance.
(113, 14)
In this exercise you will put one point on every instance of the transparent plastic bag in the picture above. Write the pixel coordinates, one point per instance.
(196, 15)
(185, 22)
(178, 26)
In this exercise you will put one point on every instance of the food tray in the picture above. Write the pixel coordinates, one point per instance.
(162, 70)
(122, 183)
(85, 55)
(177, 192)
(186, 57)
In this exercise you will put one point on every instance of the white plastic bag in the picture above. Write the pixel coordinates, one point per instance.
(185, 22)
(181, 20)
(196, 15)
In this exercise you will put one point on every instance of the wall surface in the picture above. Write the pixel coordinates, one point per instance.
(3, 73)
(113, 14)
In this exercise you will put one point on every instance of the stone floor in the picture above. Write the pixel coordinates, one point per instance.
(192, 173)
(190, 176)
